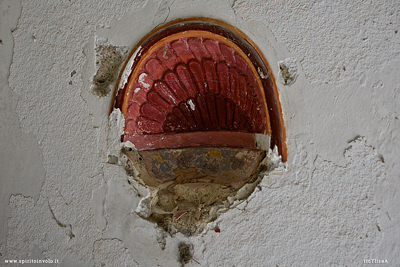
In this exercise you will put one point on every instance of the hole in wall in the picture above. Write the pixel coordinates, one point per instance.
(201, 114)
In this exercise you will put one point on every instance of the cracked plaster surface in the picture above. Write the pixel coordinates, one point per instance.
(333, 41)
(332, 194)
(26, 169)
(111, 252)
(343, 223)
(50, 37)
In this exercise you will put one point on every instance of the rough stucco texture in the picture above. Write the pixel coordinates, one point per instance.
(334, 204)
(334, 41)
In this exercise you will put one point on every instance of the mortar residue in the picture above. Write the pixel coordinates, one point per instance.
(110, 59)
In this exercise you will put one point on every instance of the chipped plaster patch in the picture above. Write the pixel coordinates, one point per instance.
(185, 254)
(188, 206)
(109, 61)
(115, 130)
(263, 141)
(128, 68)
(288, 71)
(119, 196)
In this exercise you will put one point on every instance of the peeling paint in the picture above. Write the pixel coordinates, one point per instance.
(128, 68)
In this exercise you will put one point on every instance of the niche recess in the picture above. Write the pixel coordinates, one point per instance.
(201, 111)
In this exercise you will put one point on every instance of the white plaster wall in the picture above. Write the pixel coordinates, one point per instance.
(336, 204)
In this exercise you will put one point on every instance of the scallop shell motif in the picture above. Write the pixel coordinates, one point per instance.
(194, 84)
(198, 82)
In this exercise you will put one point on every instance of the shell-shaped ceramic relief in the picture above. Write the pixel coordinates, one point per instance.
(195, 84)
(199, 78)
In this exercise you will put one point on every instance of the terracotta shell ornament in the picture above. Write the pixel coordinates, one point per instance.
(202, 117)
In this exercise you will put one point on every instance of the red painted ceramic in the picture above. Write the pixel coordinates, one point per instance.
(196, 83)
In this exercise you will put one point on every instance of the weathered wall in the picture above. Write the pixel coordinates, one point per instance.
(335, 204)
